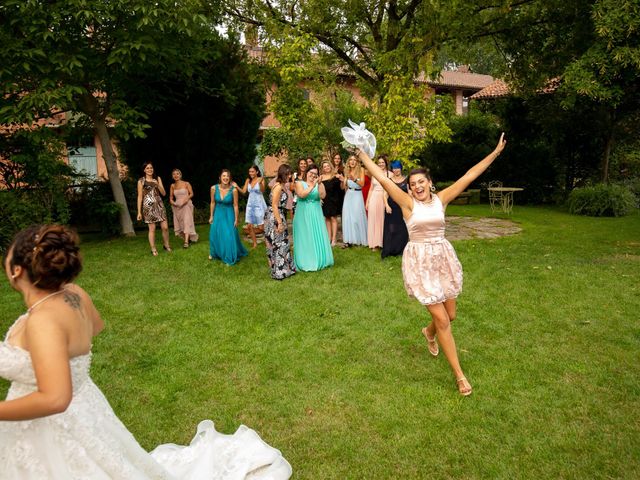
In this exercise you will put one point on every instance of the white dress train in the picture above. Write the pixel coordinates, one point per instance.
(89, 442)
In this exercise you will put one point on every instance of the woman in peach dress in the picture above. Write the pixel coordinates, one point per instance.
(180, 196)
(430, 268)
(375, 208)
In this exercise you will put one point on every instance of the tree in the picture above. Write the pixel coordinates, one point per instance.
(590, 49)
(82, 56)
(200, 131)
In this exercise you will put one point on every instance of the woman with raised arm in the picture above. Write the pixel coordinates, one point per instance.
(151, 208)
(224, 241)
(354, 216)
(55, 423)
(332, 202)
(311, 247)
(430, 268)
(180, 195)
(256, 206)
(375, 206)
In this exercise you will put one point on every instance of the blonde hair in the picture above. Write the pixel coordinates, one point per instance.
(328, 162)
(357, 169)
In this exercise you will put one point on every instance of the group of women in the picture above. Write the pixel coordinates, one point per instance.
(55, 423)
(319, 195)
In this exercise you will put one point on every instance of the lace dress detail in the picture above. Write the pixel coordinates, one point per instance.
(430, 268)
(88, 441)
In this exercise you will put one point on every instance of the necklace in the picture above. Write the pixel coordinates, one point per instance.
(43, 299)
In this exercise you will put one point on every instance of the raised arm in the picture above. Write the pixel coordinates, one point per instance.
(450, 193)
(395, 192)
(244, 188)
(161, 189)
(303, 192)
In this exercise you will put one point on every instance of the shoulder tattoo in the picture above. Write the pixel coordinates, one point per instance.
(73, 299)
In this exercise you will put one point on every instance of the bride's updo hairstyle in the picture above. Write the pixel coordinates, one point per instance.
(49, 254)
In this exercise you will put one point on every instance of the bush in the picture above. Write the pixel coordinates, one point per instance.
(22, 208)
(602, 201)
(92, 205)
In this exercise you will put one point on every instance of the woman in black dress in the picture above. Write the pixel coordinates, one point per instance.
(332, 202)
(395, 235)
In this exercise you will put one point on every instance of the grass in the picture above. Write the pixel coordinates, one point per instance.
(331, 368)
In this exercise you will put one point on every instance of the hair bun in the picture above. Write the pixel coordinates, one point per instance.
(49, 253)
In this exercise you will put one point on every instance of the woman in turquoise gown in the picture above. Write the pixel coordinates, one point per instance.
(224, 241)
(311, 246)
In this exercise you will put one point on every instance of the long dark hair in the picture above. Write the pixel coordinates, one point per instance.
(257, 169)
(144, 175)
(284, 171)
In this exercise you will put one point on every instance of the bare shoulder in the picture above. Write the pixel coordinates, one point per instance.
(74, 296)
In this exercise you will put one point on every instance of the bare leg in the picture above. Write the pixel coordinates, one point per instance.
(252, 234)
(186, 239)
(327, 223)
(165, 234)
(334, 230)
(152, 237)
(442, 325)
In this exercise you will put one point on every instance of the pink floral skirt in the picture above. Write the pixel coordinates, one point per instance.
(431, 271)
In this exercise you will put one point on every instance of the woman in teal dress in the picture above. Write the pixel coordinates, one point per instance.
(312, 249)
(224, 241)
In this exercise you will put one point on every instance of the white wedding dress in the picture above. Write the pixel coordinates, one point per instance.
(89, 442)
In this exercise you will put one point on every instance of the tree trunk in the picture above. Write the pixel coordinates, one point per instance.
(89, 105)
(126, 225)
(606, 156)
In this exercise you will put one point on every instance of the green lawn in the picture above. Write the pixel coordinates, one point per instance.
(331, 367)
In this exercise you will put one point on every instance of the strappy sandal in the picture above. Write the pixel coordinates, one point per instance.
(168, 249)
(432, 345)
(154, 252)
(186, 245)
(464, 387)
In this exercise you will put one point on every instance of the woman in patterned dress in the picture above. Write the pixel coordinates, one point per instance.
(151, 208)
(276, 233)
(430, 268)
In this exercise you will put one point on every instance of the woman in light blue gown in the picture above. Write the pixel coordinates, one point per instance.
(224, 241)
(354, 216)
(312, 249)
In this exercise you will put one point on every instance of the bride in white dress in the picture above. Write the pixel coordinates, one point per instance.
(55, 422)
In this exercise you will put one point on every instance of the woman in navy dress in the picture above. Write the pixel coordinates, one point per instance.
(224, 241)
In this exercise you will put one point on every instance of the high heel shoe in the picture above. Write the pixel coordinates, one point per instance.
(432, 345)
(154, 252)
(464, 387)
